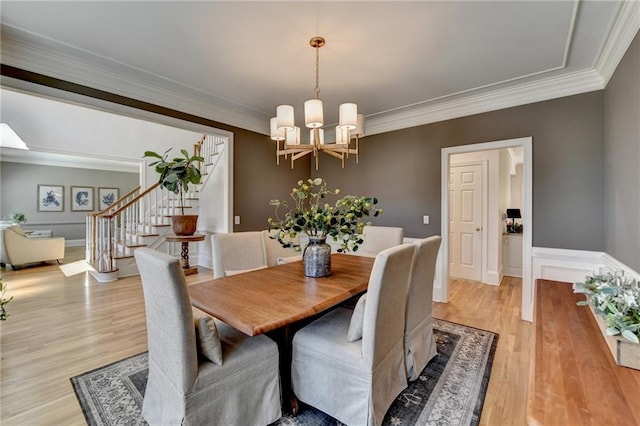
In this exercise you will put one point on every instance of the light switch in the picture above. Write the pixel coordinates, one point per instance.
(236, 220)
(425, 219)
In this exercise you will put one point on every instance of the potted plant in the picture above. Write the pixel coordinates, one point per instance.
(314, 216)
(17, 218)
(616, 299)
(176, 175)
(3, 301)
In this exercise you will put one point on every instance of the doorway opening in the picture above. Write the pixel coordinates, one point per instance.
(442, 282)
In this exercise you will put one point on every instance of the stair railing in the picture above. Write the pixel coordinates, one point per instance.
(115, 231)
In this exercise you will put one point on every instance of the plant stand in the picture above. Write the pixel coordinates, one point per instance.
(184, 255)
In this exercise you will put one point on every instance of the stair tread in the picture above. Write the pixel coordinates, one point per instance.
(124, 256)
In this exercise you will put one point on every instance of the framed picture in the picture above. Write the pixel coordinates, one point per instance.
(50, 198)
(107, 196)
(81, 198)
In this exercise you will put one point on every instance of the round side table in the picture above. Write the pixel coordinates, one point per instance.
(184, 255)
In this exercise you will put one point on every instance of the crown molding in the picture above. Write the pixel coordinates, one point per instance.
(32, 53)
(59, 61)
(542, 90)
(625, 27)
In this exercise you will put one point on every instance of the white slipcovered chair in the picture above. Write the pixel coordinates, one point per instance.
(419, 343)
(274, 251)
(240, 387)
(19, 249)
(377, 238)
(356, 379)
(237, 252)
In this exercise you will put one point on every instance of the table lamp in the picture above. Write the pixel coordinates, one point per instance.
(513, 214)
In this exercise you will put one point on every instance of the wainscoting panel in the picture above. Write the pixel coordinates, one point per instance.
(564, 265)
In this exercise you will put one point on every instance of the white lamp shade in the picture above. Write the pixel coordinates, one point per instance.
(9, 138)
(284, 115)
(293, 136)
(342, 136)
(313, 116)
(359, 131)
(348, 116)
(320, 136)
(276, 135)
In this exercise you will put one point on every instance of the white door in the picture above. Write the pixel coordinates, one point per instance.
(465, 221)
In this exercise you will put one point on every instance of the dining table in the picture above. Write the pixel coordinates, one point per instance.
(278, 300)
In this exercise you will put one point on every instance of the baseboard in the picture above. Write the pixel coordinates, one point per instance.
(74, 243)
(512, 272)
(611, 262)
(491, 278)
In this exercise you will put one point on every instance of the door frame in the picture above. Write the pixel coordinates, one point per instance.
(441, 292)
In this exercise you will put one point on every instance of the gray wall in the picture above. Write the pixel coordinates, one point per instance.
(402, 168)
(622, 160)
(18, 193)
(257, 179)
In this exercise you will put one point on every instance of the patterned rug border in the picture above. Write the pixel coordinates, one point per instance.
(475, 413)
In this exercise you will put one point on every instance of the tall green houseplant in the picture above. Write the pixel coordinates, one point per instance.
(176, 175)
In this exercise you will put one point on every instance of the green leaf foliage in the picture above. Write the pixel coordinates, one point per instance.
(616, 298)
(314, 216)
(177, 174)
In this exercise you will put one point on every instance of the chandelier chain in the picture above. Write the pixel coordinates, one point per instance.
(317, 72)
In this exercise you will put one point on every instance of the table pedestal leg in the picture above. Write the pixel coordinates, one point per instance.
(283, 337)
(184, 259)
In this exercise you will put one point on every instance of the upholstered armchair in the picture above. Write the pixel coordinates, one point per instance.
(232, 380)
(419, 343)
(19, 249)
(351, 364)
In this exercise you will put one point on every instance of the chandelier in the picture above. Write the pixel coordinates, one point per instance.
(350, 126)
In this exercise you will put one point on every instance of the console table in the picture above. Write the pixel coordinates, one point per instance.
(574, 379)
(184, 255)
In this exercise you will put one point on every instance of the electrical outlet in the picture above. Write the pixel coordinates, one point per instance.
(425, 219)
(236, 220)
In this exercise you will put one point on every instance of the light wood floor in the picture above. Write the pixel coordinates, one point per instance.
(62, 326)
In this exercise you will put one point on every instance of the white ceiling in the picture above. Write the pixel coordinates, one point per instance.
(403, 63)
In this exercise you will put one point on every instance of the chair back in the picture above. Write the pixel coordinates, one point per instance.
(420, 295)
(237, 251)
(273, 250)
(378, 238)
(170, 327)
(384, 313)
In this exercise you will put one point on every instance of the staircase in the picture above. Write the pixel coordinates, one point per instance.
(142, 218)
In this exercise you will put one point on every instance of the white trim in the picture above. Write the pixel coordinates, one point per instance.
(526, 93)
(47, 57)
(230, 184)
(563, 264)
(75, 243)
(572, 265)
(625, 27)
(612, 262)
(441, 291)
(37, 54)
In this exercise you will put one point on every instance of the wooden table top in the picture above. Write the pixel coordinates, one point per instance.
(264, 300)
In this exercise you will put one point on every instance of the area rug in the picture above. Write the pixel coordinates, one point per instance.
(449, 391)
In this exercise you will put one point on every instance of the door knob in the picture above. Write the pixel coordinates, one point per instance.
(478, 229)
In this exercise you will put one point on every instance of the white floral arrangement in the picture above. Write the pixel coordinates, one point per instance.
(616, 298)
